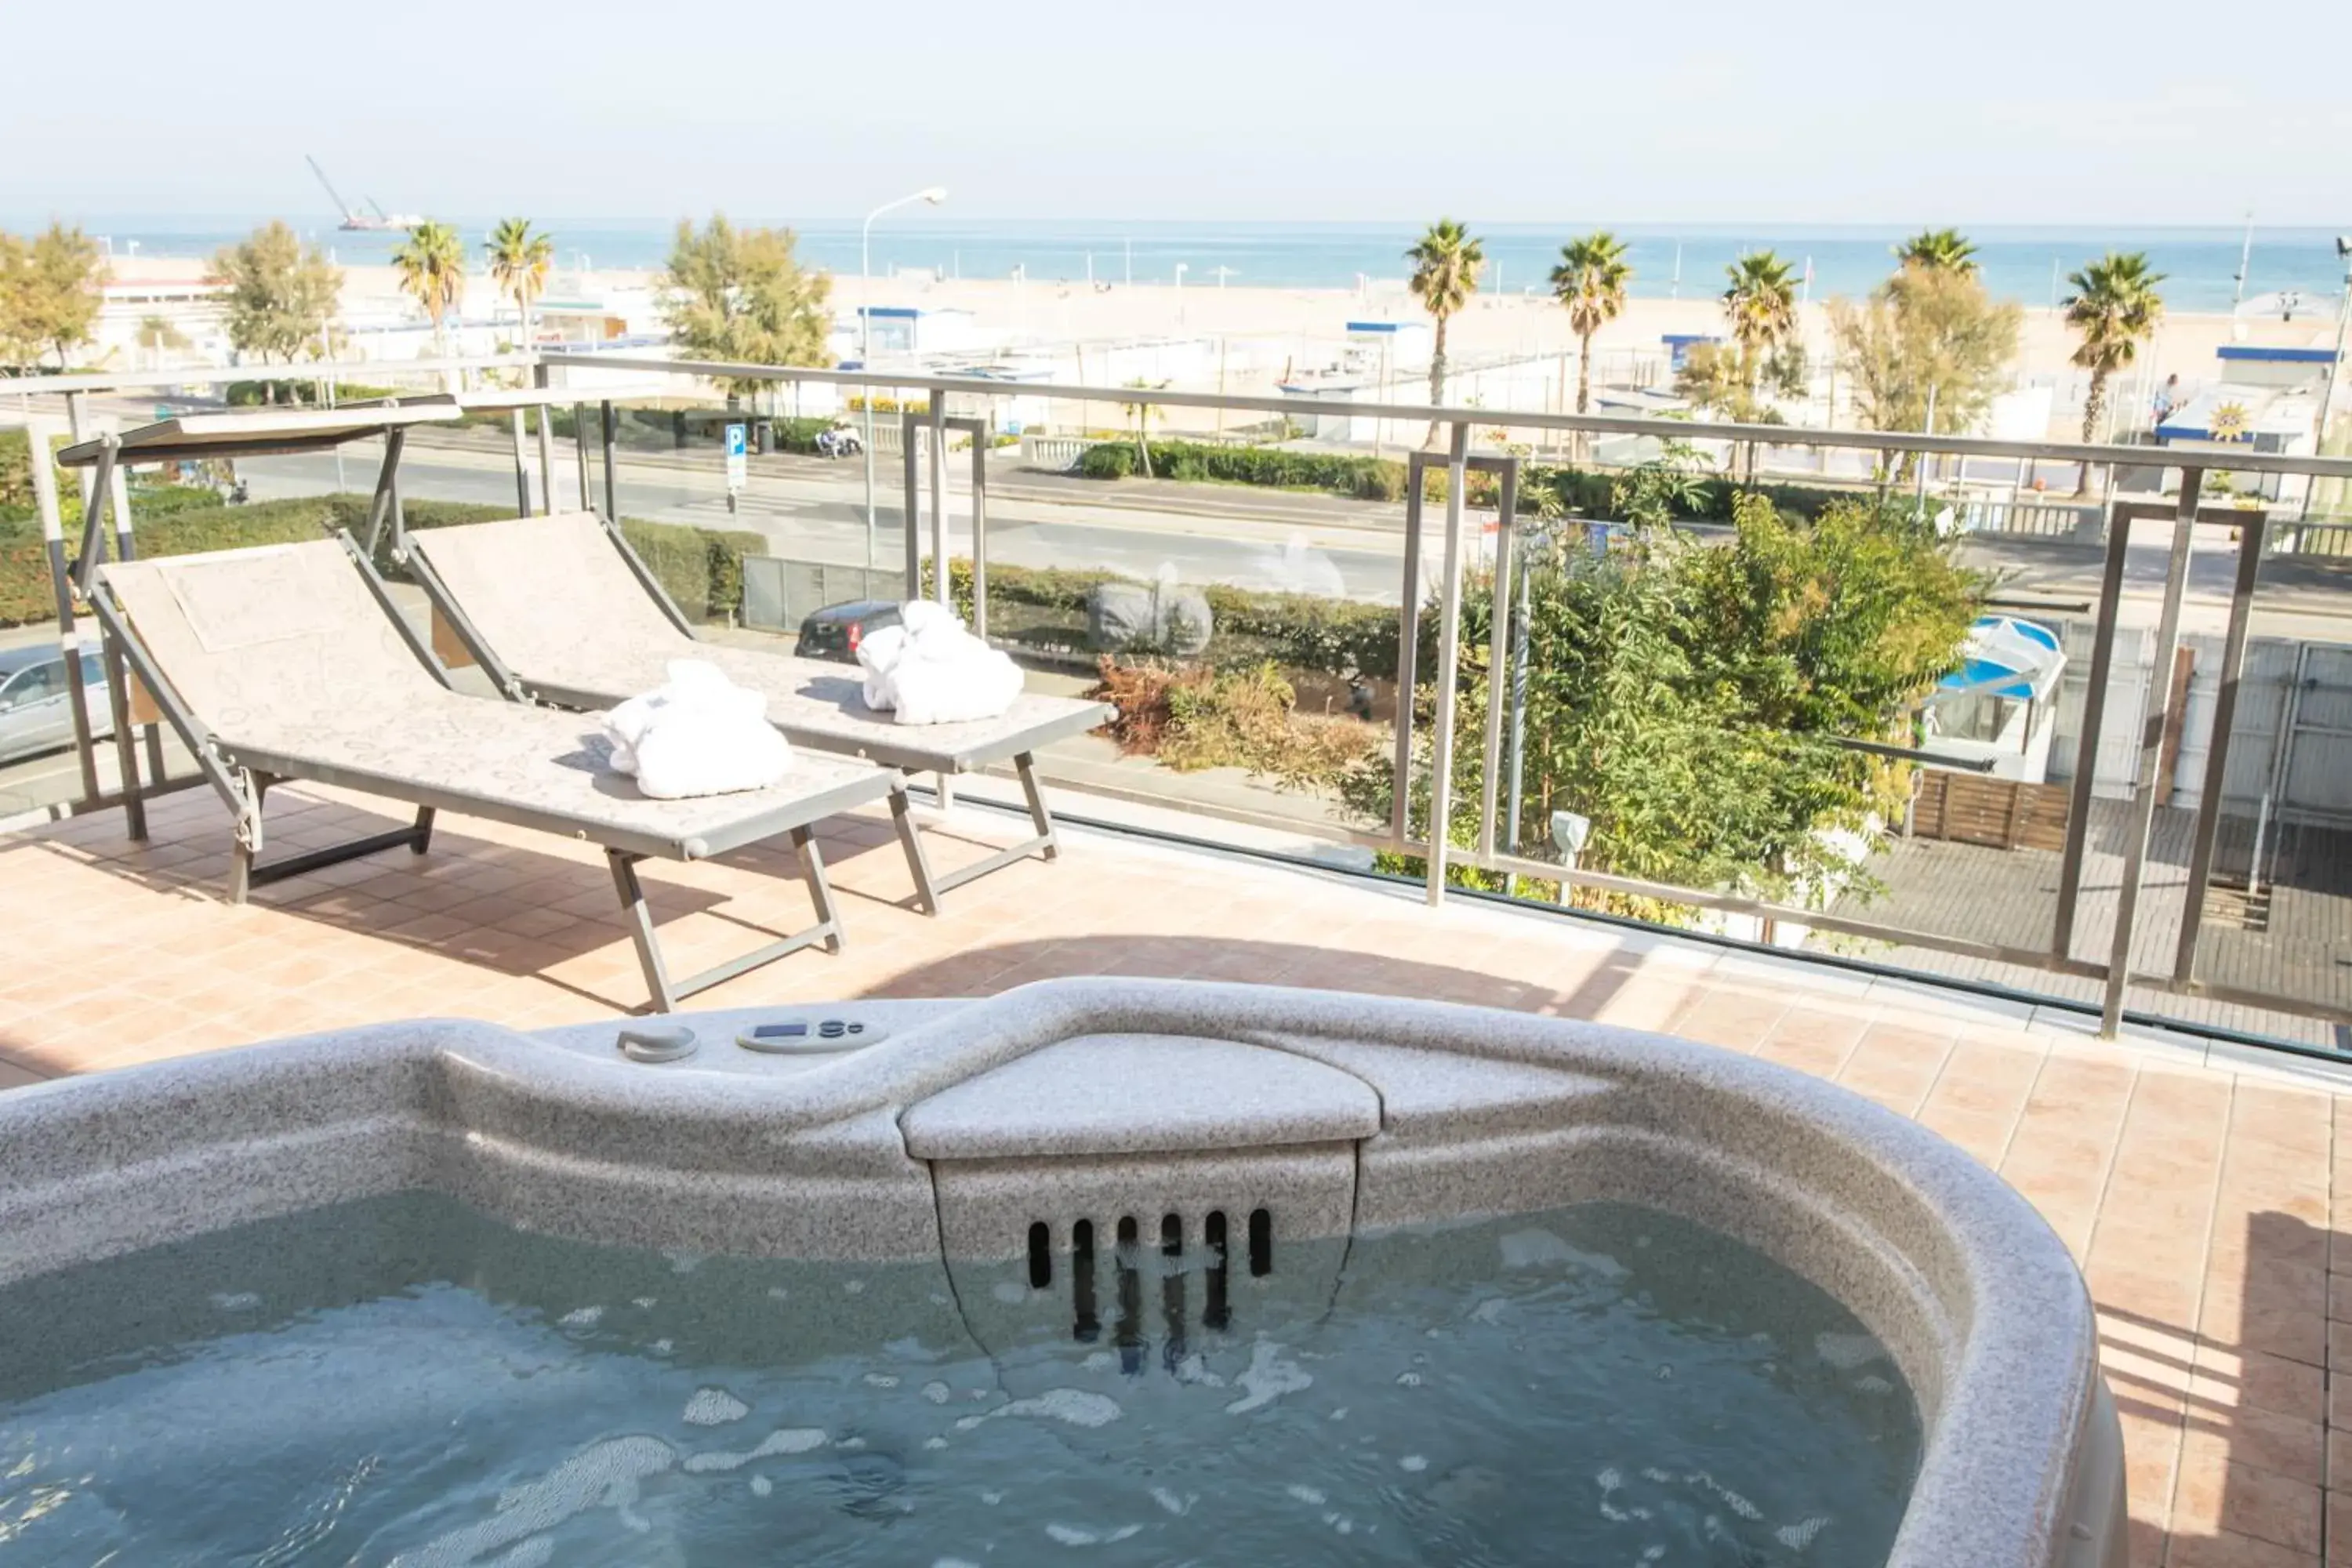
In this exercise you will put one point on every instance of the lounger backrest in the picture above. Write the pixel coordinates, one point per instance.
(538, 589)
(268, 633)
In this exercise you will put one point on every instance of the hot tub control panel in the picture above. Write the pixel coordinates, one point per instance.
(761, 1040)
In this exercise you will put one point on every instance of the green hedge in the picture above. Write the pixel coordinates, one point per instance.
(1577, 492)
(1299, 631)
(293, 391)
(701, 568)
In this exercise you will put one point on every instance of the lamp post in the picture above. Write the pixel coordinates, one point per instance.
(933, 194)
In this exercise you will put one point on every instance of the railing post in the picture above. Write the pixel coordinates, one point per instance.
(1449, 652)
(939, 427)
(53, 536)
(2158, 710)
(2086, 749)
(1498, 649)
(1408, 651)
(540, 379)
(2217, 751)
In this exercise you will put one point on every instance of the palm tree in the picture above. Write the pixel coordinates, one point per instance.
(432, 265)
(518, 263)
(1760, 307)
(2115, 306)
(1446, 264)
(1590, 282)
(1938, 250)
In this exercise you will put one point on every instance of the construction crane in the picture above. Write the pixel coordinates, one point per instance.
(373, 221)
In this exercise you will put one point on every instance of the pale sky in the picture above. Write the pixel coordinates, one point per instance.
(1993, 111)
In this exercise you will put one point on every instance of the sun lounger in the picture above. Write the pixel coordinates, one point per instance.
(560, 610)
(289, 662)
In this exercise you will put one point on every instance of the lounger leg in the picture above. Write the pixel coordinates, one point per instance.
(828, 919)
(902, 817)
(641, 928)
(1039, 818)
(248, 848)
(423, 839)
(126, 742)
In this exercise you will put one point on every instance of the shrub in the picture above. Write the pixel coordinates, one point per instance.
(295, 390)
(1191, 719)
(702, 569)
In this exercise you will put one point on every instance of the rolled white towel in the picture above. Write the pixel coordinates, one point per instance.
(698, 734)
(930, 670)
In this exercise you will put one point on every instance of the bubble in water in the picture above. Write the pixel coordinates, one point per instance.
(1340, 1522)
(1268, 1377)
(1848, 1352)
(714, 1407)
(683, 1262)
(936, 1391)
(1414, 1463)
(645, 1302)
(851, 1443)
(1071, 1535)
(992, 1498)
(761, 1486)
(789, 1440)
(235, 1300)
(954, 1562)
(1870, 1383)
(1408, 1379)
(536, 1552)
(1076, 1406)
(1535, 1248)
(935, 1443)
(1171, 1502)
(1305, 1494)
(1341, 1414)
(852, 1287)
(662, 1347)
(608, 1473)
(1797, 1537)
(1098, 1360)
(881, 1380)
(582, 1318)
(777, 1292)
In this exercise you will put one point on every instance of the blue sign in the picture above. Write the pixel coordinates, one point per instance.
(735, 460)
(734, 440)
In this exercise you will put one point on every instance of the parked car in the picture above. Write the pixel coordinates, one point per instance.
(33, 717)
(835, 631)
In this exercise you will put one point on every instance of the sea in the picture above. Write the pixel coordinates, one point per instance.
(2292, 271)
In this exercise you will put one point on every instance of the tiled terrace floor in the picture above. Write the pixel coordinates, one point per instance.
(2205, 1200)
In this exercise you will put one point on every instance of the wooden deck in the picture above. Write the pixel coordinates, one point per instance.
(2296, 943)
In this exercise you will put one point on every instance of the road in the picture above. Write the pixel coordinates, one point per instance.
(808, 510)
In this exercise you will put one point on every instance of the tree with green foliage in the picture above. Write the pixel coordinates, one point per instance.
(1446, 261)
(741, 294)
(1589, 282)
(1938, 250)
(1732, 385)
(519, 260)
(1760, 307)
(432, 265)
(2114, 308)
(49, 295)
(281, 297)
(1929, 338)
(1688, 698)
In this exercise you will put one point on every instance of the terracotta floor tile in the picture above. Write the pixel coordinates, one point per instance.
(2193, 1549)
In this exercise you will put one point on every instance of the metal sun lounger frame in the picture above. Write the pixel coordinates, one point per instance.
(243, 774)
(911, 756)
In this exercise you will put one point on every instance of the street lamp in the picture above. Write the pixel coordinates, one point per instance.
(934, 196)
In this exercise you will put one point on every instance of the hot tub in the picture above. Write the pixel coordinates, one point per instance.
(1125, 1270)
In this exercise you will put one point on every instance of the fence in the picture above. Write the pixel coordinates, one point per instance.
(1421, 621)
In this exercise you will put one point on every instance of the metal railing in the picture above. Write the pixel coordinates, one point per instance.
(2112, 524)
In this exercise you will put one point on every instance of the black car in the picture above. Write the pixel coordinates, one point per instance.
(835, 631)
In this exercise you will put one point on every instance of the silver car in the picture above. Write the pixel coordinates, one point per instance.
(33, 717)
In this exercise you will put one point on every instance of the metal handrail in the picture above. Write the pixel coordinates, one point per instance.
(2098, 455)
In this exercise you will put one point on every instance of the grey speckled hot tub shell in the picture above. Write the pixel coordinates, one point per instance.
(1074, 1098)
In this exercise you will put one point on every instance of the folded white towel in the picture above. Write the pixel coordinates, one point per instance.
(699, 734)
(929, 670)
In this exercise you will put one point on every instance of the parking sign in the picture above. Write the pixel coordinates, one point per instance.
(735, 457)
